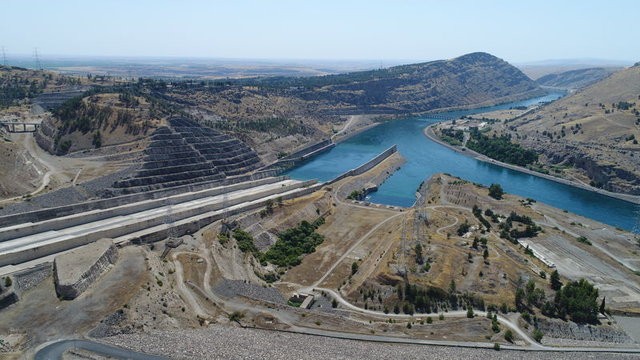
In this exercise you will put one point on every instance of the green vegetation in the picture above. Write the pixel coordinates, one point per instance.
(293, 243)
(451, 136)
(278, 126)
(501, 148)
(354, 268)
(236, 316)
(537, 335)
(356, 195)
(463, 228)
(513, 234)
(583, 240)
(8, 282)
(508, 335)
(477, 212)
(470, 313)
(245, 241)
(495, 191)
(20, 84)
(578, 300)
(555, 280)
(495, 326)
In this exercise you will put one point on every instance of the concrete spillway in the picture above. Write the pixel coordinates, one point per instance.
(24, 242)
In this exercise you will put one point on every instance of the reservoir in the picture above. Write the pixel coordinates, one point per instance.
(425, 158)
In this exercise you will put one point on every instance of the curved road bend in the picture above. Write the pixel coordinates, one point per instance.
(56, 349)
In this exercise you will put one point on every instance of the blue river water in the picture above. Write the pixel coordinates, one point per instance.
(425, 157)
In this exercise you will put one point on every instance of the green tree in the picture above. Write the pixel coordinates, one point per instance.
(578, 299)
(470, 313)
(555, 280)
(537, 335)
(354, 268)
(419, 255)
(495, 191)
(508, 335)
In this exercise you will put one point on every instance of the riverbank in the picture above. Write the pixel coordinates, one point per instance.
(428, 132)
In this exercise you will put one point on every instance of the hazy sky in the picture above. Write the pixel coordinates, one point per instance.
(515, 30)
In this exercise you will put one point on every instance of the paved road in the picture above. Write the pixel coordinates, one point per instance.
(54, 351)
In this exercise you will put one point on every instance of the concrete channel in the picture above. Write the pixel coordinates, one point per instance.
(148, 220)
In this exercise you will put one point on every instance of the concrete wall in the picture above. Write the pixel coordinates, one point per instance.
(56, 212)
(191, 225)
(366, 166)
(134, 225)
(304, 154)
(27, 229)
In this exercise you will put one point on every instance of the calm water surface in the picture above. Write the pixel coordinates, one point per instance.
(425, 158)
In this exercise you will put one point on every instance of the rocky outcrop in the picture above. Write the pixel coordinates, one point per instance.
(76, 270)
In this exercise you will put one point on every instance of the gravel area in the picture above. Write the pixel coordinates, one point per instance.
(29, 278)
(232, 288)
(554, 328)
(83, 192)
(226, 342)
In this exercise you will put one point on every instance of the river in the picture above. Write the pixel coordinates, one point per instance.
(425, 157)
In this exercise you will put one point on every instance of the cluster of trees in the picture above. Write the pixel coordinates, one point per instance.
(453, 137)
(414, 298)
(577, 300)
(15, 87)
(496, 192)
(530, 229)
(293, 243)
(501, 148)
(477, 212)
(278, 126)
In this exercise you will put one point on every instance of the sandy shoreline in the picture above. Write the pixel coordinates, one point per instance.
(428, 132)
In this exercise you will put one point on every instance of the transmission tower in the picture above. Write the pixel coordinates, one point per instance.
(4, 57)
(37, 59)
(402, 261)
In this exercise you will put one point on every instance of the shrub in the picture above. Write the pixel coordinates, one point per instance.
(537, 335)
(508, 335)
(495, 191)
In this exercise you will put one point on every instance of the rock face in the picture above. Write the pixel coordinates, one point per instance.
(75, 271)
(186, 153)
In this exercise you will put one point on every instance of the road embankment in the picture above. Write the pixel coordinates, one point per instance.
(429, 133)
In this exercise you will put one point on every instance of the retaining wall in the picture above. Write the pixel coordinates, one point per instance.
(366, 166)
(299, 156)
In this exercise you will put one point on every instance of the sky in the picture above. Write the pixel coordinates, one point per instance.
(515, 30)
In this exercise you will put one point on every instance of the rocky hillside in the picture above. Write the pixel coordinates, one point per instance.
(96, 120)
(575, 79)
(469, 80)
(591, 135)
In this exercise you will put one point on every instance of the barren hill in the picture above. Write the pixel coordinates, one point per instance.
(591, 135)
(575, 79)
